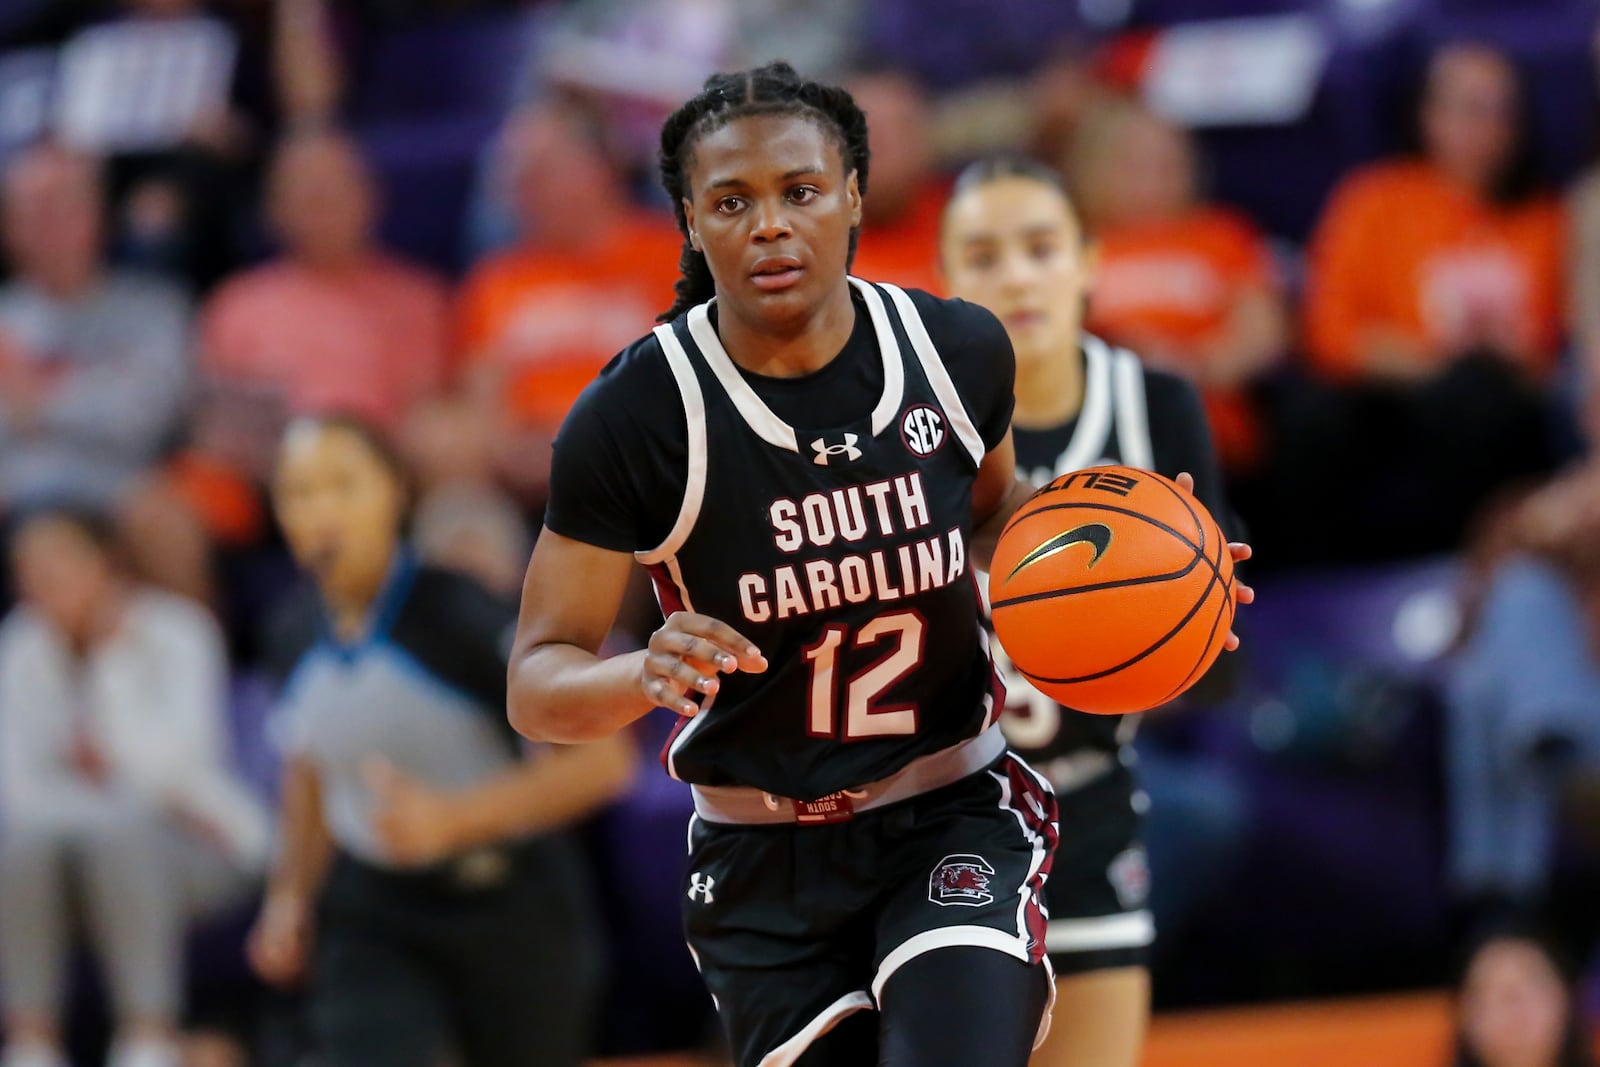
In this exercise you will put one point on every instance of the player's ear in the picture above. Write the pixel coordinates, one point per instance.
(688, 219)
(852, 189)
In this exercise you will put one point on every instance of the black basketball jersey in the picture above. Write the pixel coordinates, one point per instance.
(1138, 417)
(841, 550)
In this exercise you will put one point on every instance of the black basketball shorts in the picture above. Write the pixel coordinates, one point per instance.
(1099, 888)
(796, 927)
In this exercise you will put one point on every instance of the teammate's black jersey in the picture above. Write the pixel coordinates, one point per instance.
(827, 518)
(1131, 415)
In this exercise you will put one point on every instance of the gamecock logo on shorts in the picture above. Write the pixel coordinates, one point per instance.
(961, 881)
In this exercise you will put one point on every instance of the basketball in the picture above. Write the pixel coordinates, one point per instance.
(1112, 590)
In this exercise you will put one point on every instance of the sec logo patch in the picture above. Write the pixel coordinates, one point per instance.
(923, 429)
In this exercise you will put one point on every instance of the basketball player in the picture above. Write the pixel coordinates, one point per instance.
(1012, 243)
(811, 467)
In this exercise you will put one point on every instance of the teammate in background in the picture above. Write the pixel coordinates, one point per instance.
(811, 466)
(1012, 243)
(424, 890)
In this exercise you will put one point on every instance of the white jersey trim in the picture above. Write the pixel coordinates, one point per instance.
(763, 420)
(791, 1050)
(894, 370)
(694, 490)
(1088, 442)
(1134, 929)
(938, 377)
(1133, 420)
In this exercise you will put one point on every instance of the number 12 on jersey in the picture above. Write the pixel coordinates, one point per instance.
(864, 716)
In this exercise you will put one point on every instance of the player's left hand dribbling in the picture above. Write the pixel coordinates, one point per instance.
(687, 654)
(1242, 594)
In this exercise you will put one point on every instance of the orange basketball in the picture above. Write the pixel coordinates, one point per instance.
(1112, 590)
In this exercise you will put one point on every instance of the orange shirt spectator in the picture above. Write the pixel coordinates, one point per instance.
(369, 339)
(1171, 281)
(905, 251)
(1407, 258)
(334, 324)
(1170, 289)
(1186, 285)
(904, 197)
(547, 319)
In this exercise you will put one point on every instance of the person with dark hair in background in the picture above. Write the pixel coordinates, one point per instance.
(1517, 1004)
(114, 782)
(1012, 243)
(538, 321)
(900, 220)
(335, 322)
(1432, 322)
(93, 360)
(1187, 284)
(425, 890)
(867, 859)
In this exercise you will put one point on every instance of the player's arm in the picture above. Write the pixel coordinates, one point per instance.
(558, 686)
(996, 494)
(560, 689)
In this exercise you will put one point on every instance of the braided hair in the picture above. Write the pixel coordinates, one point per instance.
(774, 89)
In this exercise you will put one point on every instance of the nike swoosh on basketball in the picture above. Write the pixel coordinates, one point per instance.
(1097, 534)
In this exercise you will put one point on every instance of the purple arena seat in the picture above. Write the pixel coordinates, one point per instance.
(655, 1000)
(427, 169)
(1334, 738)
(462, 64)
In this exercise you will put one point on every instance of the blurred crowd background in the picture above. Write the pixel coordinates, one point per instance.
(1369, 230)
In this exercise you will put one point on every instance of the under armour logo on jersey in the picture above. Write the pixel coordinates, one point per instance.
(825, 452)
(700, 886)
(923, 429)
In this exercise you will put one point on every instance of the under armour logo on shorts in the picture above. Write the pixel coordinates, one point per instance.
(700, 886)
(826, 452)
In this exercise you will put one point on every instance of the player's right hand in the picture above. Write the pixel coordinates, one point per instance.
(687, 654)
(280, 942)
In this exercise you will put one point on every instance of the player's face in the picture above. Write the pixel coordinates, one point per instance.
(1513, 1005)
(1469, 118)
(1014, 246)
(771, 207)
(339, 506)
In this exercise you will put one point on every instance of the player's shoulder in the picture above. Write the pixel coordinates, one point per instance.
(1166, 391)
(953, 317)
(635, 387)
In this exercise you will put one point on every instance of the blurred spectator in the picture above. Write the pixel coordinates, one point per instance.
(1187, 285)
(452, 915)
(905, 198)
(950, 43)
(1432, 323)
(1420, 262)
(476, 531)
(335, 323)
(1525, 698)
(173, 93)
(93, 363)
(113, 782)
(636, 60)
(1518, 1006)
(590, 274)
